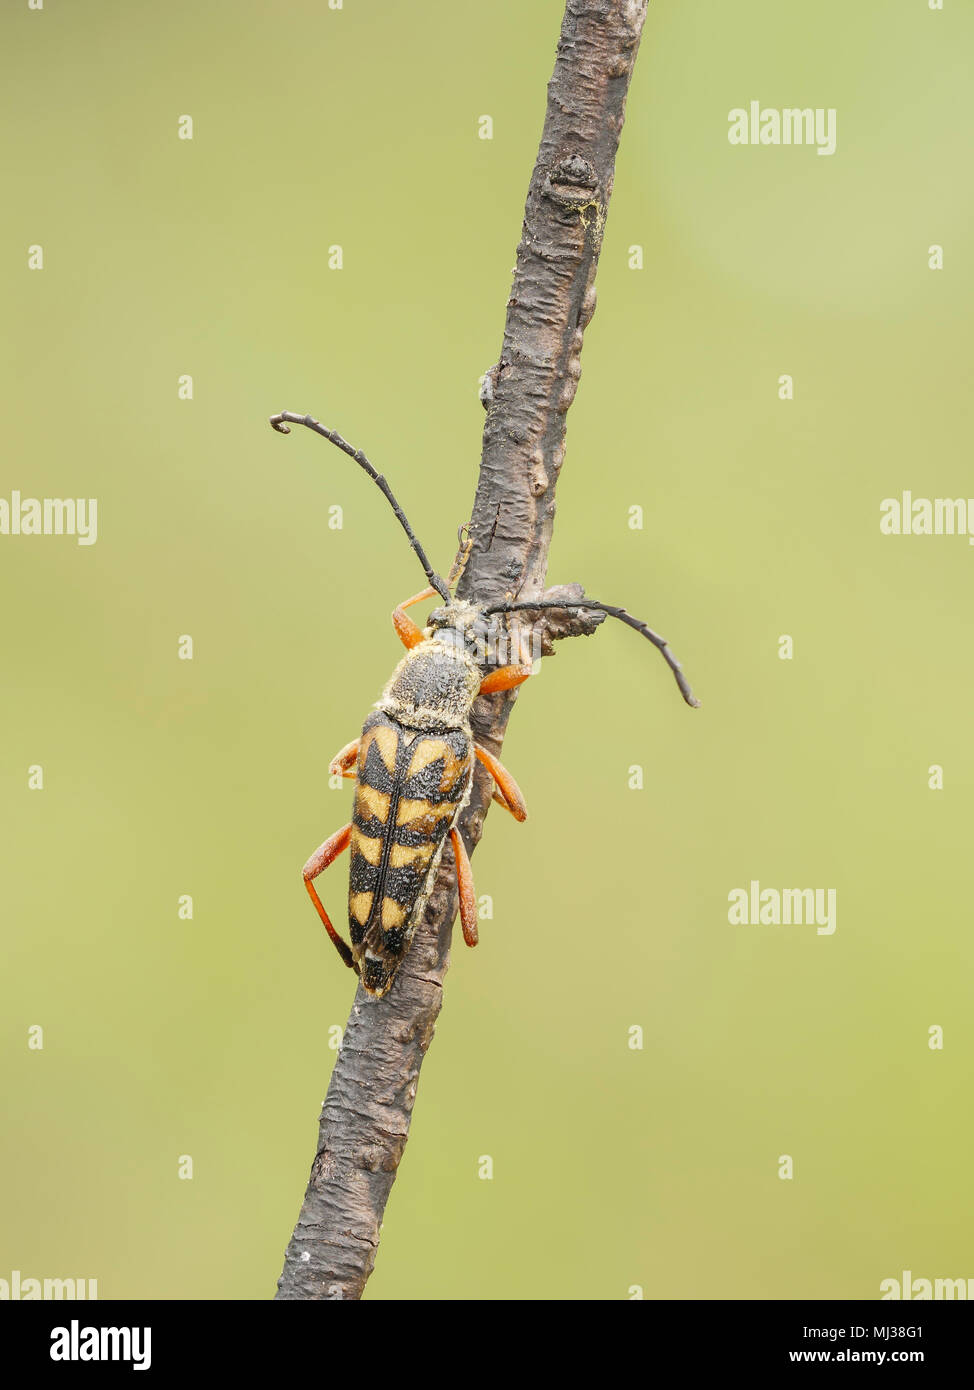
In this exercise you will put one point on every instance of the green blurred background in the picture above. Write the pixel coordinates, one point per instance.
(358, 127)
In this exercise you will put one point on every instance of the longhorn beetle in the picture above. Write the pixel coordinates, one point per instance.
(413, 761)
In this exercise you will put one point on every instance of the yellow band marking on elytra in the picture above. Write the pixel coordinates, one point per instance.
(368, 846)
(421, 816)
(453, 772)
(368, 799)
(428, 751)
(387, 742)
(416, 856)
(393, 914)
(360, 905)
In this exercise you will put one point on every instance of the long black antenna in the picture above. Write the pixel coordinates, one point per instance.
(277, 423)
(624, 617)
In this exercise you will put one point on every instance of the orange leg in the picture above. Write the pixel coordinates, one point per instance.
(468, 901)
(344, 762)
(507, 792)
(406, 630)
(505, 678)
(323, 856)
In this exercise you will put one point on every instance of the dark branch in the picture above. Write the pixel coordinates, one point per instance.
(365, 1119)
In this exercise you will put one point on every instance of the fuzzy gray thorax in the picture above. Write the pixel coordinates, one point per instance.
(433, 687)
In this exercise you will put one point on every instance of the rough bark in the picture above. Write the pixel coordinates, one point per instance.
(366, 1114)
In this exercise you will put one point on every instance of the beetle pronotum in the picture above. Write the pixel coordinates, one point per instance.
(413, 761)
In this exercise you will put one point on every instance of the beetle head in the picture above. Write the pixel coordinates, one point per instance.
(463, 625)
